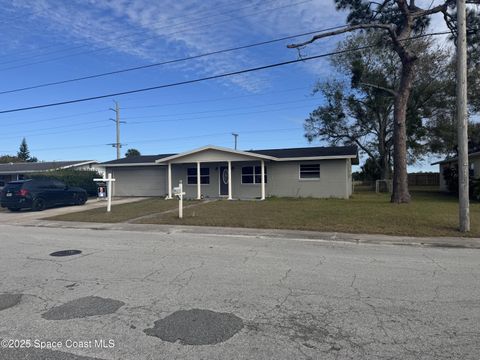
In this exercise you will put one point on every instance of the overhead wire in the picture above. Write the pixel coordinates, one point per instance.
(152, 37)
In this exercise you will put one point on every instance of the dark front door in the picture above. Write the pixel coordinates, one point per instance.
(223, 173)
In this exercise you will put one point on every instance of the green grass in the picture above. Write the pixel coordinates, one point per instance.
(121, 213)
(429, 214)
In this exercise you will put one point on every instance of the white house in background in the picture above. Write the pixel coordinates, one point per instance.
(216, 172)
(17, 171)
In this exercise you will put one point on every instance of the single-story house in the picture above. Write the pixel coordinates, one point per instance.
(17, 171)
(205, 172)
(473, 162)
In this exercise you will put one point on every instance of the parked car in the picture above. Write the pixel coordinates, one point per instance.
(39, 194)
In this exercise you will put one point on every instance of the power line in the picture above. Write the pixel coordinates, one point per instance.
(14, 122)
(222, 110)
(126, 35)
(212, 77)
(215, 99)
(142, 67)
(152, 37)
(81, 125)
(165, 139)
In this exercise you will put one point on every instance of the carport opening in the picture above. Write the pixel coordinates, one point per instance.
(66, 253)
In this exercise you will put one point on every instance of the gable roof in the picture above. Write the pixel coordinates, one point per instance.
(218, 148)
(30, 167)
(287, 154)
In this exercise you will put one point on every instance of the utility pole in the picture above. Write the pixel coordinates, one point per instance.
(462, 118)
(117, 121)
(235, 136)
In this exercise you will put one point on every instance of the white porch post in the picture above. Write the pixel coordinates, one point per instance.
(229, 180)
(169, 180)
(263, 180)
(199, 189)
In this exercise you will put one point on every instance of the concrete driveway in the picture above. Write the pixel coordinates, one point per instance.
(26, 216)
(150, 295)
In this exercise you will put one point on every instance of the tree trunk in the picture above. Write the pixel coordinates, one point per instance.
(400, 175)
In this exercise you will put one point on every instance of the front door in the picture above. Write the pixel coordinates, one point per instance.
(223, 180)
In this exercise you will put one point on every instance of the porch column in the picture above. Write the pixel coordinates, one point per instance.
(199, 189)
(169, 180)
(229, 180)
(263, 180)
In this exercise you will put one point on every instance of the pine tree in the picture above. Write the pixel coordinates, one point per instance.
(23, 152)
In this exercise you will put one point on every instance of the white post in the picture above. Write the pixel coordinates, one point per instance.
(180, 202)
(109, 192)
(199, 189)
(229, 180)
(169, 180)
(263, 179)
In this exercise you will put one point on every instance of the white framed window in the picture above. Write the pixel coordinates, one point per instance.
(253, 175)
(192, 176)
(309, 171)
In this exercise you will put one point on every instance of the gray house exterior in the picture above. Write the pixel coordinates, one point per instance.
(320, 172)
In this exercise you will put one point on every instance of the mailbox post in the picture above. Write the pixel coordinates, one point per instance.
(178, 191)
(109, 181)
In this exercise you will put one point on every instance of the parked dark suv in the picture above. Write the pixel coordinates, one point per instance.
(38, 194)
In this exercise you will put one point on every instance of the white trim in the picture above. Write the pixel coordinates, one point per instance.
(230, 180)
(306, 158)
(199, 181)
(169, 180)
(134, 164)
(262, 182)
(78, 164)
(218, 148)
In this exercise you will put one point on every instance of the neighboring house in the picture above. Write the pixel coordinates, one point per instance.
(473, 161)
(320, 172)
(17, 171)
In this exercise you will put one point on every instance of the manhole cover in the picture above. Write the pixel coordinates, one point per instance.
(196, 327)
(66, 253)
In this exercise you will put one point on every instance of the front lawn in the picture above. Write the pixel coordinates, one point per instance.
(121, 213)
(429, 214)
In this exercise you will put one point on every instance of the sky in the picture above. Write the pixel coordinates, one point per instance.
(51, 40)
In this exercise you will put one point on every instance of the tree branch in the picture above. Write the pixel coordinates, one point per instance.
(387, 90)
(389, 28)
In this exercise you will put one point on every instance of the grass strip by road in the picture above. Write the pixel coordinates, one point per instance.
(429, 214)
(121, 213)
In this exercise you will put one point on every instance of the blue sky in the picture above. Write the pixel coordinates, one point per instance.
(51, 40)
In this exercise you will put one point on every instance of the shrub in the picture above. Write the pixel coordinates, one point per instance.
(71, 177)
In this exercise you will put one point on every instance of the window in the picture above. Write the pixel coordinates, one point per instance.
(192, 176)
(253, 175)
(310, 171)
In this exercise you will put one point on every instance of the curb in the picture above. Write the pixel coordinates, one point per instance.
(298, 235)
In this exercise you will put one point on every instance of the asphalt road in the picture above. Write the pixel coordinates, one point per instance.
(140, 295)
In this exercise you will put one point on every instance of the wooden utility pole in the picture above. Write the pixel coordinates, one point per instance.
(462, 118)
(117, 121)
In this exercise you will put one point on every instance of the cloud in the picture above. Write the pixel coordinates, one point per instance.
(161, 30)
